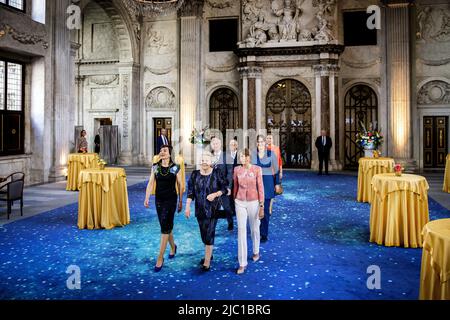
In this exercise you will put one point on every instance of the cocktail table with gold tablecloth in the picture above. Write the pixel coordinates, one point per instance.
(447, 175)
(103, 199)
(435, 269)
(76, 163)
(180, 161)
(368, 167)
(399, 209)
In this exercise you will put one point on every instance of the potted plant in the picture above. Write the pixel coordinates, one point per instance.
(398, 169)
(101, 164)
(370, 140)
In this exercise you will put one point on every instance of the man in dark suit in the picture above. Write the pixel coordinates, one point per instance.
(232, 162)
(220, 163)
(162, 140)
(323, 145)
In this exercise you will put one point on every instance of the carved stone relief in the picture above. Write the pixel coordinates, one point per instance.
(126, 104)
(160, 98)
(435, 63)
(361, 64)
(104, 80)
(221, 4)
(22, 37)
(434, 92)
(220, 63)
(160, 48)
(157, 42)
(281, 21)
(433, 24)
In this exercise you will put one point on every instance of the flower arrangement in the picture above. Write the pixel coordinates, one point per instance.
(398, 169)
(369, 139)
(101, 164)
(198, 136)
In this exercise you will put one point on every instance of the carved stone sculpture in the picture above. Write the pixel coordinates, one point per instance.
(324, 32)
(288, 14)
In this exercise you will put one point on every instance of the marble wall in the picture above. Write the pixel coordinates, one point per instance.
(133, 68)
(431, 90)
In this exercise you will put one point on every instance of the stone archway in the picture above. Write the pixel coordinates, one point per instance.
(125, 25)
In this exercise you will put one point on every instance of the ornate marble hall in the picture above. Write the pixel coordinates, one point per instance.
(123, 70)
(229, 65)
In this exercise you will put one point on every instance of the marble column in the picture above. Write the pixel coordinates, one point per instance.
(251, 101)
(62, 103)
(399, 80)
(129, 133)
(327, 108)
(190, 75)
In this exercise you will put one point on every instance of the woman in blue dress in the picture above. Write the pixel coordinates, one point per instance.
(205, 187)
(268, 161)
(166, 174)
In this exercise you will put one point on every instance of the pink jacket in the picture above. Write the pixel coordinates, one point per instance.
(248, 184)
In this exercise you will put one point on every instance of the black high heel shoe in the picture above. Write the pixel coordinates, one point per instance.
(158, 269)
(171, 256)
(202, 261)
(205, 268)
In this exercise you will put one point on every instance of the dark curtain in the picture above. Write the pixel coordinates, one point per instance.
(109, 143)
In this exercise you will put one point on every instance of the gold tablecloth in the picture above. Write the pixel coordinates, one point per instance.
(368, 167)
(180, 161)
(447, 175)
(435, 270)
(76, 163)
(103, 199)
(399, 209)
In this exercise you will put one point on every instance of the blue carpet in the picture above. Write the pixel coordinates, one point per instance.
(318, 249)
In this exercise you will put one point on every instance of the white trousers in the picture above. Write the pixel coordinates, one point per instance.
(247, 210)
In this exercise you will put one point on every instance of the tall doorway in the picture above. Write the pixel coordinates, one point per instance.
(361, 107)
(158, 124)
(435, 141)
(224, 111)
(288, 110)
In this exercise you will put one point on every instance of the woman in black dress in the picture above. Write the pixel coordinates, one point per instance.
(167, 176)
(206, 186)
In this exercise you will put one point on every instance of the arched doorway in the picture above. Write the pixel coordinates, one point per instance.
(224, 110)
(288, 109)
(360, 105)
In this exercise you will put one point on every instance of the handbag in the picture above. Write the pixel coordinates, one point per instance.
(216, 204)
(216, 212)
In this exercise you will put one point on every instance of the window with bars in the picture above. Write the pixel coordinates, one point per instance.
(16, 4)
(11, 108)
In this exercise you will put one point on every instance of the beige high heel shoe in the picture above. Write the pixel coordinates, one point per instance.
(241, 270)
(255, 257)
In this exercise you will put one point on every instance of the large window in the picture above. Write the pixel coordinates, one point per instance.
(223, 35)
(11, 108)
(16, 4)
(356, 32)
